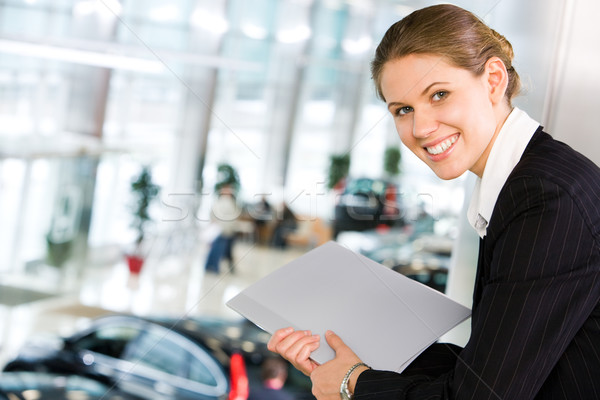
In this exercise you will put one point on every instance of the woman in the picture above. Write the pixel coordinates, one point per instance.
(448, 81)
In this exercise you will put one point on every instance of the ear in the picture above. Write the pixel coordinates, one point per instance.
(496, 78)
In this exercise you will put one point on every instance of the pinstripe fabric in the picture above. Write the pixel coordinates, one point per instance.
(536, 309)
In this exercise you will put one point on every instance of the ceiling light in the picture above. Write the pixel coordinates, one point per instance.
(357, 46)
(164, 14)
(294, 35)
(254, 31)
(209, 21)
(85, 57)
(103, 8)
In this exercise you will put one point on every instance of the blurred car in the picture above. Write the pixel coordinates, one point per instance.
(365, 204)
(424, 258)
(161, 358)
(428, 267)
(39, 385)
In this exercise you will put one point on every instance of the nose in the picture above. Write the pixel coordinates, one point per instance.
(424, 123)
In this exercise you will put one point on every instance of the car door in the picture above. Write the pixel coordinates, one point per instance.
(99, 349)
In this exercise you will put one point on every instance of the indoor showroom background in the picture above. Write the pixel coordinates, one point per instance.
(94, 92)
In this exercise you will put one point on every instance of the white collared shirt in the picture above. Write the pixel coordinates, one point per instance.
(506, 152)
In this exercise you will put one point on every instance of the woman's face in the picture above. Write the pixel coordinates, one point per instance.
(443, 114)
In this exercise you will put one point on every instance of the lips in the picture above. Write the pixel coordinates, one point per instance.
(442, 146)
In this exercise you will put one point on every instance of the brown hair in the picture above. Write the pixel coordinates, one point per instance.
(449, 31)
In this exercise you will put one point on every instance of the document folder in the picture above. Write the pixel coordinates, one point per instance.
(386, 318)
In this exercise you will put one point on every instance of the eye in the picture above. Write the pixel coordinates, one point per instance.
(402, 111)
(437, 96)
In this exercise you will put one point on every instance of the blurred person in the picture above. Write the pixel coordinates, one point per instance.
(448, 81)
(224, 213)
(286, 223)
(273, 376)
(262, 215)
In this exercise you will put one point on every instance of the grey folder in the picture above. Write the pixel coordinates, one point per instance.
(385, 317)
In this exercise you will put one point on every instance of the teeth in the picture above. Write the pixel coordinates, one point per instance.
(441, 147)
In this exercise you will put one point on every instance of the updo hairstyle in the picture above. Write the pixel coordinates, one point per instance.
(451, 32)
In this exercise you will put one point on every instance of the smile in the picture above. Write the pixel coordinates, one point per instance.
(443, 146)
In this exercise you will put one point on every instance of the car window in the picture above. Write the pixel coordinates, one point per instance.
(158, 352)
(199, 373)
(187, 363)
(109, 340)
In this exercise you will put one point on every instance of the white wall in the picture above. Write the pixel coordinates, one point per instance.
(574, 104)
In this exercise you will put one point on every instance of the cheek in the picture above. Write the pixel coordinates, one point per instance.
(454, 114)
(403, 128)
(470, 117)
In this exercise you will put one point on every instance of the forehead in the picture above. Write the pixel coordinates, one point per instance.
(407, 76)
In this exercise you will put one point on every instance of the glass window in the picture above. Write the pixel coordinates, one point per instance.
(158, 352)
(110, 340)
(273, 87)
(199, 373)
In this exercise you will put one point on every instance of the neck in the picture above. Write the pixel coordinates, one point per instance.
(502, 113)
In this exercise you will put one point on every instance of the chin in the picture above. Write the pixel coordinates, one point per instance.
(448, 175)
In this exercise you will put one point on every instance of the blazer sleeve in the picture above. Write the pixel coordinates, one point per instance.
(538, 284)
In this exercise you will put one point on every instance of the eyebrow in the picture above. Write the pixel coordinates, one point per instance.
(398, 103)
(433, 84)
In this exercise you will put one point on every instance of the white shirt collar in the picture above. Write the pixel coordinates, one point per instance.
(506, 152)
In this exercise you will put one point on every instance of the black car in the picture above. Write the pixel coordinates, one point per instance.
(206, 358)
(46, 386)
(367, 203)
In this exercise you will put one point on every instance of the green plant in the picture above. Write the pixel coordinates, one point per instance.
(338, 169)
(144, 191)
(391, 161)
(227, 176)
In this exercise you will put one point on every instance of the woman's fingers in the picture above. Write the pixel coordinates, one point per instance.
(296, 347)
(305, 364)
(293, 344)
(277, 337)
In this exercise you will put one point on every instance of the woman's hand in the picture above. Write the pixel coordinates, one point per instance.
(295, 346)
(327, 378)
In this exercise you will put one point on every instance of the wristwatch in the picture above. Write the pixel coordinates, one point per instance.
(344, 391)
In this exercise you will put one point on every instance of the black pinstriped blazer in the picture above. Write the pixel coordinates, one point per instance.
(536, 305)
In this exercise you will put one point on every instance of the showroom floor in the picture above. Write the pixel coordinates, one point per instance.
(175, 284)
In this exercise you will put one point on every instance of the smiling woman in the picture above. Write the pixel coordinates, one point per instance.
(432, 102)
(448, 81)
(435, 76)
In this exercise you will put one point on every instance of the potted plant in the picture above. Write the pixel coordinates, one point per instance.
(227, 176)
(144, 192)
(338, 170)
(391, 161)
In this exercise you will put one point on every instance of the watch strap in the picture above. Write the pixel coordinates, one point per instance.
(344, 391)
